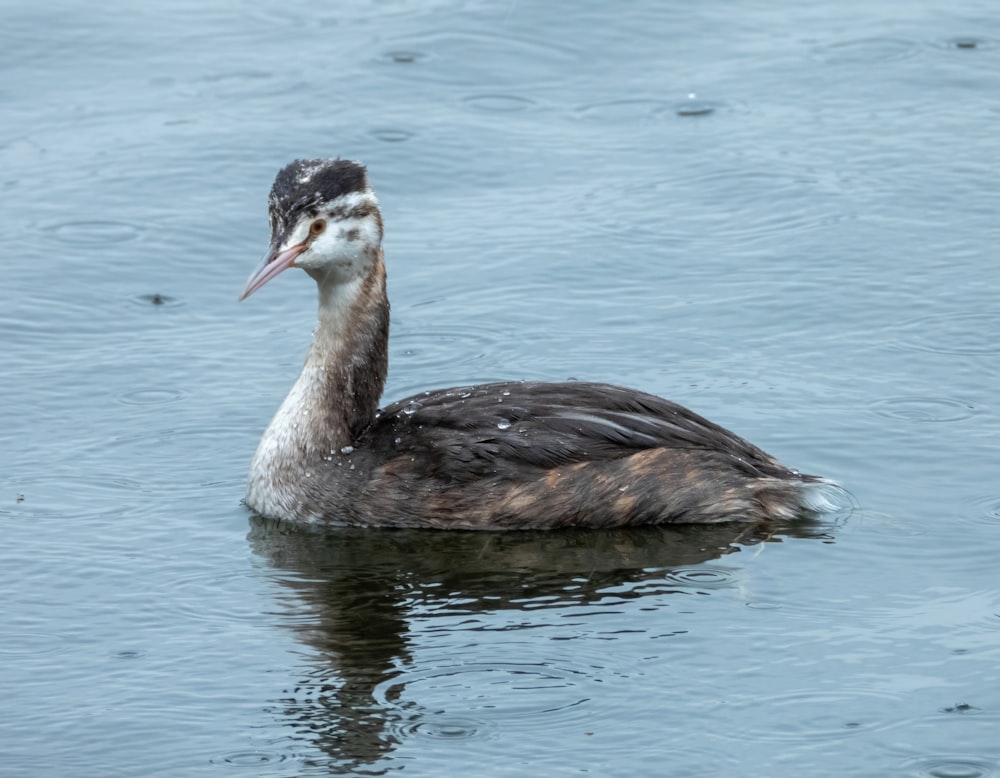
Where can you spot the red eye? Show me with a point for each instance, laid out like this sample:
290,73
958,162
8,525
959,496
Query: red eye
317,227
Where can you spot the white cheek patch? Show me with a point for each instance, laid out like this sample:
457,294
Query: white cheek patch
359,232
341,242
344,247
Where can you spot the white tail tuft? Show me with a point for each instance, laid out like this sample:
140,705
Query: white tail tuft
824,496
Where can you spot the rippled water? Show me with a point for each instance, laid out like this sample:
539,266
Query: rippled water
784,216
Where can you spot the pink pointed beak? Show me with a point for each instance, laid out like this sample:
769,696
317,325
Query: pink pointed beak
273,263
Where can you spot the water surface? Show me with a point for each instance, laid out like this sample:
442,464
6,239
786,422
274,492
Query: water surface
783,216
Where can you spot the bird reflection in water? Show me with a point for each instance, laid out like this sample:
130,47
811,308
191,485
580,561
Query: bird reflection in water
355,596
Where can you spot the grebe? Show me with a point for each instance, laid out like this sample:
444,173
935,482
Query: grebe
512,455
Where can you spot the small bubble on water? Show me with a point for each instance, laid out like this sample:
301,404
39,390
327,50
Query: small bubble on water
347,450
694,107
506,394
397,441
503,424
404,57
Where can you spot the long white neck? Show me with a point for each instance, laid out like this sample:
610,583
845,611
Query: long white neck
335,396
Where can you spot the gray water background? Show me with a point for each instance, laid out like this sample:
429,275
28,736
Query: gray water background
783,215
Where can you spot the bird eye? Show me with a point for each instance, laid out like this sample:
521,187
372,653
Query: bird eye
317,227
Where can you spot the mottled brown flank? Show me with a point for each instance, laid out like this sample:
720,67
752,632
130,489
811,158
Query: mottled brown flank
452,467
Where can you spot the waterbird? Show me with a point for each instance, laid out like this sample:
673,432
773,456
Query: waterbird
511,455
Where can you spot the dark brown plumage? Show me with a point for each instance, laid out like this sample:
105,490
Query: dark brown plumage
512,455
